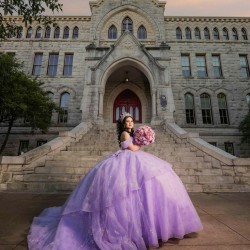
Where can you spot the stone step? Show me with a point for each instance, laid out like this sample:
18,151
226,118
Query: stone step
74,158
62,187
86,153
63,170
197,172
72,164
52,178
191,165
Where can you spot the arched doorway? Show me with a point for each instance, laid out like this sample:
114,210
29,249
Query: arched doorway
127,101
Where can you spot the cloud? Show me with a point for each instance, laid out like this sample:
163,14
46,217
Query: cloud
176,7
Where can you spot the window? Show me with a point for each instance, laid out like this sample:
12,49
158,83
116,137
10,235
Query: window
244,34
37,64
201,66
185,65
68,64
57,33
29,33
127,24
216,34
213,143
229,147
64,105
222,102
10,34
38,32
178,33
47,32
225,34
248,100
112,32
66,32
40,142
206,109
19,32
50,95
75,33
216,66
188,33
244,67
142,32
189,107
52,65
23,147
197,33
206,34
235,34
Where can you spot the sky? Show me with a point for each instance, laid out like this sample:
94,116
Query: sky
176,7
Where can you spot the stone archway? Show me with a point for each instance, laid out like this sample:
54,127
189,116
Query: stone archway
138,90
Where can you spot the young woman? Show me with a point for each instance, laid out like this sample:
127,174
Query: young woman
128,201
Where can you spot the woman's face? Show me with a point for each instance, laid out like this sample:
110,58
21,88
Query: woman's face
129,123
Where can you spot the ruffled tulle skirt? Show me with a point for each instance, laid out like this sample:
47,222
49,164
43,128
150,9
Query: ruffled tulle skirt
128,201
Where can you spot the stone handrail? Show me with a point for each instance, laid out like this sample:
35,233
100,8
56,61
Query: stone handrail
195,140
36,157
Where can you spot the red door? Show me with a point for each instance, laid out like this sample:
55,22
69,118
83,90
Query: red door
127,101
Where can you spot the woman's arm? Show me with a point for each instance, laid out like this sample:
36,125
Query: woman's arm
125,136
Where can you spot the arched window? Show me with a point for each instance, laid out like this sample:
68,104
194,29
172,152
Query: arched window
189,107
112,32
29,33
248,100
19,33
64,105
222,102
66,32
127,24
178,33
225,34
216,34
188,33
39,32
235,34
57,33
206,34
197,33
47,32
75,33
206,109
50,95
142,32
244,34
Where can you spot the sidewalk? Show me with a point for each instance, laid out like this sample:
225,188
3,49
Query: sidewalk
225,217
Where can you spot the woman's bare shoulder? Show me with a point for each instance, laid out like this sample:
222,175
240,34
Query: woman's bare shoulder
125,136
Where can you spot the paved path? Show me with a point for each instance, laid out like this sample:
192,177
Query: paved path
225,216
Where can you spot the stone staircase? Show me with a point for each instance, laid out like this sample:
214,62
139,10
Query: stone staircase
63,169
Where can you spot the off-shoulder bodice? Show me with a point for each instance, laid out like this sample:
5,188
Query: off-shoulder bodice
125,144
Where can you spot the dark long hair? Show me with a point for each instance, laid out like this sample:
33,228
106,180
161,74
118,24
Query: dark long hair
120,127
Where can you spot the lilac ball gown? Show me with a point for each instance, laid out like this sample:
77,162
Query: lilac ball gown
127,201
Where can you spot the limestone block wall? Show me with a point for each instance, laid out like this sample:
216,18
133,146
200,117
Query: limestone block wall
232,83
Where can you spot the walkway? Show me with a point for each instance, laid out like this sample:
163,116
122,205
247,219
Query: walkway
225,216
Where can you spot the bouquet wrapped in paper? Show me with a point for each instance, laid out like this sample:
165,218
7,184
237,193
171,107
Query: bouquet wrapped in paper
144,135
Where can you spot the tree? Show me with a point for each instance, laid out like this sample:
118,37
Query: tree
244,128
30,10
21,97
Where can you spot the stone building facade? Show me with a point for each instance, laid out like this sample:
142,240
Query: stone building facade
127,55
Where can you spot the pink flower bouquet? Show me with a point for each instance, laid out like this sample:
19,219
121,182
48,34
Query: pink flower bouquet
144,135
